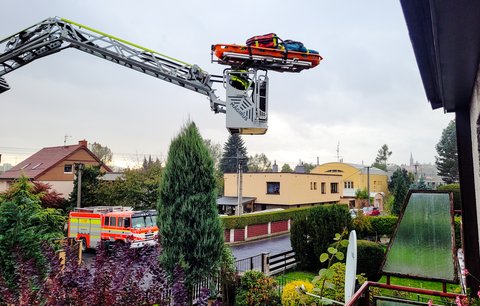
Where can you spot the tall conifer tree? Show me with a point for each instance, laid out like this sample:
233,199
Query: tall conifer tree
447,159
233,148
191,232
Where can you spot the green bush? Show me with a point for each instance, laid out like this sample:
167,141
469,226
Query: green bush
260,218
25,226
458,233
257,289
228,276
383,225
311,234
303,245
369,258
337,292
362,225
375,226
457,198
291,297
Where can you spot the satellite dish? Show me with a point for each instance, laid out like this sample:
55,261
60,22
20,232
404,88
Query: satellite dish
461,265
351,269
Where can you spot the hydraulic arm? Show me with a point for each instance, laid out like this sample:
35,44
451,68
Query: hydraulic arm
55,34
245,107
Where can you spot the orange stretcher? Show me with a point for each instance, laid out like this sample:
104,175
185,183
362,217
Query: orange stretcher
239,56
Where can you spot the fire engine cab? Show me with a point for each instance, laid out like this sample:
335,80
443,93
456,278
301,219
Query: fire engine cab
93,225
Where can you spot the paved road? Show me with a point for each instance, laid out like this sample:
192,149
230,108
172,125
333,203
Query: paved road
271,245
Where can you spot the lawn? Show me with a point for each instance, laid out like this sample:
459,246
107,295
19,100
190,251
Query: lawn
407,282
422,284
296,275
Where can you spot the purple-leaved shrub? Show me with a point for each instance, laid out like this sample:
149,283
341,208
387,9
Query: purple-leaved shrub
118,276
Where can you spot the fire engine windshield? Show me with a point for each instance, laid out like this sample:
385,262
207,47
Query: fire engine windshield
144,221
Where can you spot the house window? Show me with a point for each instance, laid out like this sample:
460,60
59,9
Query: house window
273,187
334,187
68,168
315,185
322,187
25,166
348,185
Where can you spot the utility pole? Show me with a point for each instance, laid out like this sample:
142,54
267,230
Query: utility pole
338,151
368,184
239,210
79,168
65,139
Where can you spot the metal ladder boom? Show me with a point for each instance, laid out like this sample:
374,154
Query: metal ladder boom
55,34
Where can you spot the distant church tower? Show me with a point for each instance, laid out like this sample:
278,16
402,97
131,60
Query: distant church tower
411,160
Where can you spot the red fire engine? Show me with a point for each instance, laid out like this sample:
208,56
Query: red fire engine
93,225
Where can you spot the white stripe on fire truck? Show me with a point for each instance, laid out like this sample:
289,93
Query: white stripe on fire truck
126,231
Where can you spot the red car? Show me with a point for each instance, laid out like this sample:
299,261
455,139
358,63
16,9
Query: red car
373,212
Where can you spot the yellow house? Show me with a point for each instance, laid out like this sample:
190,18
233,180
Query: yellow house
354,177
285,190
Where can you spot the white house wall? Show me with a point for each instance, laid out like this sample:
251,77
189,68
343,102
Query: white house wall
4,186
63,187
474,117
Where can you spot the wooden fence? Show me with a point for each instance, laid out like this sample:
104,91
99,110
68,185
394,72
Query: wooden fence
268,264
281,262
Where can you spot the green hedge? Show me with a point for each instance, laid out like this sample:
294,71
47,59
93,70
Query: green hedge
311,234
377,226
260,218
457,198
257,289
385,225
458,237
369,260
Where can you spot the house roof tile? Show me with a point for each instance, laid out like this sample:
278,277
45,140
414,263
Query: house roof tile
38,163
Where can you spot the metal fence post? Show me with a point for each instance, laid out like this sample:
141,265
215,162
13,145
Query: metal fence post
266,263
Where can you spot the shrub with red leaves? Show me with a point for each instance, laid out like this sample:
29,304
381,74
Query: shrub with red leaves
49,198
120,276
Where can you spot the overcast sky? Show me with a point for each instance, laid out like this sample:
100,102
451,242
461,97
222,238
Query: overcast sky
365,93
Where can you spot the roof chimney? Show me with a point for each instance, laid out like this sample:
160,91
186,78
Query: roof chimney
275,166
83,143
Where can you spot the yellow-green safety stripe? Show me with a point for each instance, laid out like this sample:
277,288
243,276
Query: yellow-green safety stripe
85,220
91,236
124,41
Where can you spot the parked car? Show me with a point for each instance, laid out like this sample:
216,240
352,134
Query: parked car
354,212
374,211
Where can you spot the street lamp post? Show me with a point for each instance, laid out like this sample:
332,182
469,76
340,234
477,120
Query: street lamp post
239,210
79,168
368,185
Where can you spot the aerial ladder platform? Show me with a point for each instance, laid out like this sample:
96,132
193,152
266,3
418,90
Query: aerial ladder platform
246,106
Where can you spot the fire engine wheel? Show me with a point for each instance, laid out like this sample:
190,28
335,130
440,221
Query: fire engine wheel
84,244
119,243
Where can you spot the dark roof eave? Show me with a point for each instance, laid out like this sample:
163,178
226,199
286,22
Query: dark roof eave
446,42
